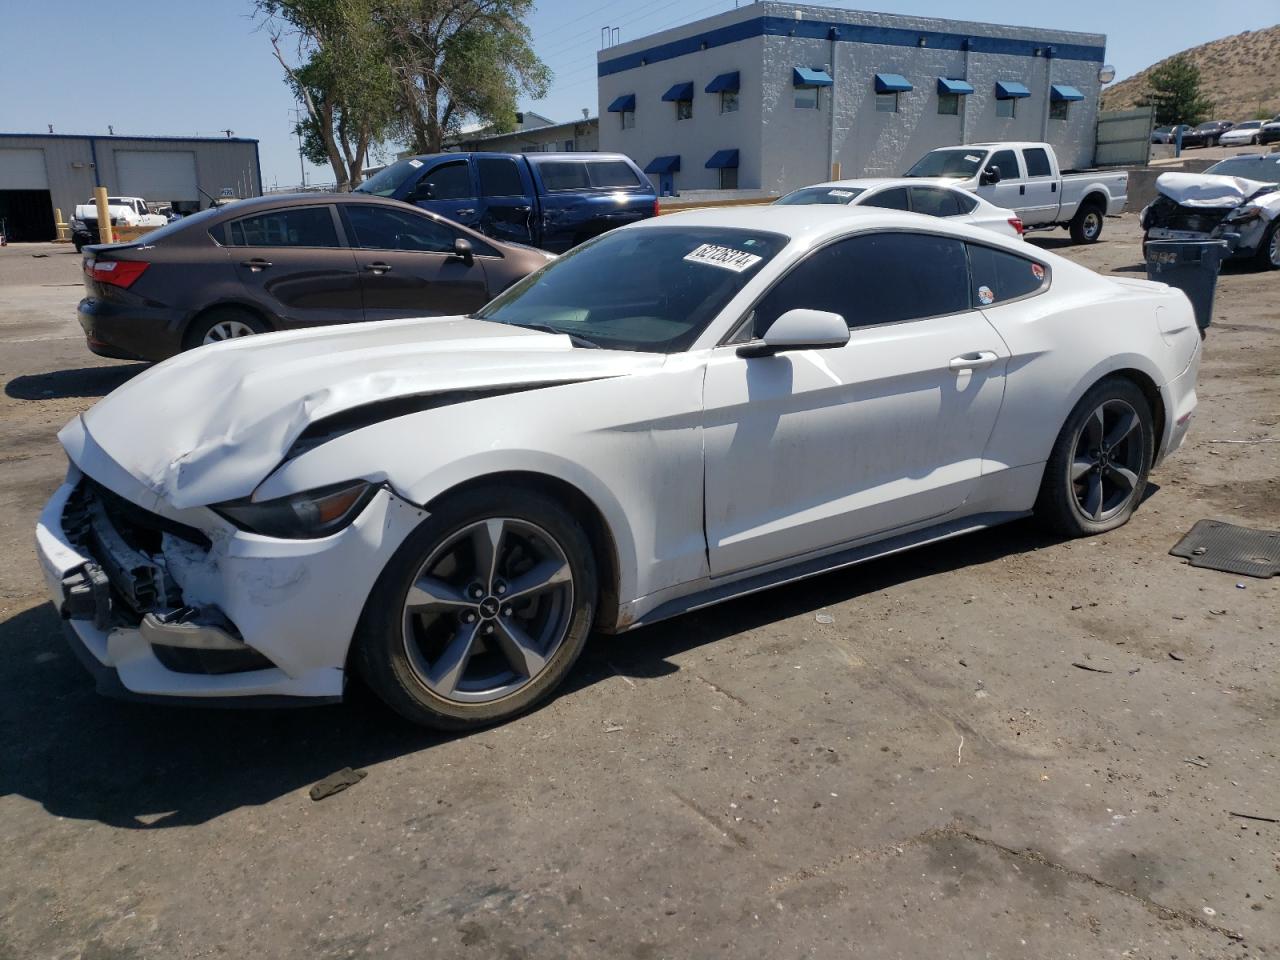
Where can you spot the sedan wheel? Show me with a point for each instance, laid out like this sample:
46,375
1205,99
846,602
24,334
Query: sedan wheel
483,610
219,324
1097,471
227,330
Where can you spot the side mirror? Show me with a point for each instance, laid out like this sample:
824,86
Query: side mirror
423,191
799,330
989,176
462,250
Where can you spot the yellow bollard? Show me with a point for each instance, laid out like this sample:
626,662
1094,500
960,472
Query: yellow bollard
104,215
835,170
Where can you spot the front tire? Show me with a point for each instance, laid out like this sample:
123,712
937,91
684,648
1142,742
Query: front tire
1097,471
1086,225
1269,249
482,611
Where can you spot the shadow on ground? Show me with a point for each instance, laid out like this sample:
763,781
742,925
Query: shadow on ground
82,382
147,767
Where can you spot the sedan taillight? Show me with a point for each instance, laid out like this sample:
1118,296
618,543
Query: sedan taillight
117,273
1017,225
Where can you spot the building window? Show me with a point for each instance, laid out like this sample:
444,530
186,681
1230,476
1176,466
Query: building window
1059,109
728,178
729,101
807,98
1007,108
949,104
684,109
886,103
628,119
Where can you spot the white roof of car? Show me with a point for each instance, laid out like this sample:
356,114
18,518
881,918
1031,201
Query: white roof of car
874,183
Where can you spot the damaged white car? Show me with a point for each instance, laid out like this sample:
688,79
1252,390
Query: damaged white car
1237,200
679,412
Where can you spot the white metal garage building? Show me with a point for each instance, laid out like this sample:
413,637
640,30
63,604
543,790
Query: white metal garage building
43,172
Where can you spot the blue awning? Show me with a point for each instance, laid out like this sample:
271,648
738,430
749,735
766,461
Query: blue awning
1060,91
664,164
681,91
624,104
804,77
722,159
725,83
892,83
959,87
1011,90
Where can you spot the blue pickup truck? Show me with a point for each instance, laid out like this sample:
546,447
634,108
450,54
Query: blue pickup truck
548,200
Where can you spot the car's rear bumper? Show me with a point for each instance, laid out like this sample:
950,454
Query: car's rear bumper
130,332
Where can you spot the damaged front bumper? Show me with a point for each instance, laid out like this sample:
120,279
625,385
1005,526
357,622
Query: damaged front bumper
195,610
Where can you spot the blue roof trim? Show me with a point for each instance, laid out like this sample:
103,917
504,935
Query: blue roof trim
625,103
725,83
1060,91
722,159
892,83
118,136
845,33
664,164
805,77
681,91
1011,90
960,87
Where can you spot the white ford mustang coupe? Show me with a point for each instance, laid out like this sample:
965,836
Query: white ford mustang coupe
678,412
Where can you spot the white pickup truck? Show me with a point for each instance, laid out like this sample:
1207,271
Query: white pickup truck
1025,177
124,212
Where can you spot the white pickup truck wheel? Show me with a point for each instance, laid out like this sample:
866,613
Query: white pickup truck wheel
1086,225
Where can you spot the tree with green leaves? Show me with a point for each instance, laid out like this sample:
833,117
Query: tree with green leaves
339,71
1175,92
459,62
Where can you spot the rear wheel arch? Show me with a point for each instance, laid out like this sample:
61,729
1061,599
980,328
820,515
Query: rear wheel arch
198,319
1144,383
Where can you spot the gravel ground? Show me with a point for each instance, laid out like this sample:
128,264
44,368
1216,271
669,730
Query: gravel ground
926,775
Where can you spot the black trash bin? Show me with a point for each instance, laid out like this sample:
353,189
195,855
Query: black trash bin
1192,266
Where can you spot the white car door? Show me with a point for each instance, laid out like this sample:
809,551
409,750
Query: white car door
1009,191
807,450
1039,199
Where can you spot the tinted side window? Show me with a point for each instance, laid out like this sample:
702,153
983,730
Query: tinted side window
293,227
965,201
934,202
450,182
875,278
999,276
895,199
612,173
564,175
499,177
1037,162
1007,161
376,228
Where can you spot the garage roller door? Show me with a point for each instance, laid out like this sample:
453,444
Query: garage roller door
22,169
156,175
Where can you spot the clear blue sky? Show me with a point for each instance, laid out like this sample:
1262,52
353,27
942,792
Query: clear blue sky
182,67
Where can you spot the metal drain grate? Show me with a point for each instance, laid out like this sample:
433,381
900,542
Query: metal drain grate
1218,545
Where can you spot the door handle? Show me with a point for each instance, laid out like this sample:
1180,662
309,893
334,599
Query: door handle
976,360
1022,190
257,264
379,268
466,213
523,208
1053,188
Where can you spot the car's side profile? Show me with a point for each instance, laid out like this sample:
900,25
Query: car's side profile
673,414
933,198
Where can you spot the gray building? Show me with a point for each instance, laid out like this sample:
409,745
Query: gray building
772,96
41,172
534,134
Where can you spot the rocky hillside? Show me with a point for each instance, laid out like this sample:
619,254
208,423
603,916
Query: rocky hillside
1240,74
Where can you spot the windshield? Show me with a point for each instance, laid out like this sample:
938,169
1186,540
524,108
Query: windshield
807,195
957,164
650,289
1248,125
1266,169
385,181
1211,125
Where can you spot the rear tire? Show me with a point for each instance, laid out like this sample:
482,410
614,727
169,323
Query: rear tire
482,611
1097,471
1086,225
1268,255
222,323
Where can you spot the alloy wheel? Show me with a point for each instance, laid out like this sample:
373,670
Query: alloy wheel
227,330
1273,248
1107,460
487,610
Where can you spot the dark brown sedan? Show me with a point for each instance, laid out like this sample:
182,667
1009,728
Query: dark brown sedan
278,263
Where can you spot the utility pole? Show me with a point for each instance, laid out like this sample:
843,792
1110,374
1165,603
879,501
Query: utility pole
297,127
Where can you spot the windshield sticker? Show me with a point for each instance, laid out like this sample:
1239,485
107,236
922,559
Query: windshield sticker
972,158
1037,271
725,257
985,296
415,163
839,193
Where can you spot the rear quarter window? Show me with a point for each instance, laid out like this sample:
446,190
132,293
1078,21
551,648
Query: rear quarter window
1000,277
564,175
612,173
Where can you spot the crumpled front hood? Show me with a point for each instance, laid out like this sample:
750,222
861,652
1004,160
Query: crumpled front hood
1207,190
210,425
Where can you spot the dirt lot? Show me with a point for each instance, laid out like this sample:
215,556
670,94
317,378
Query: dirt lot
928,775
